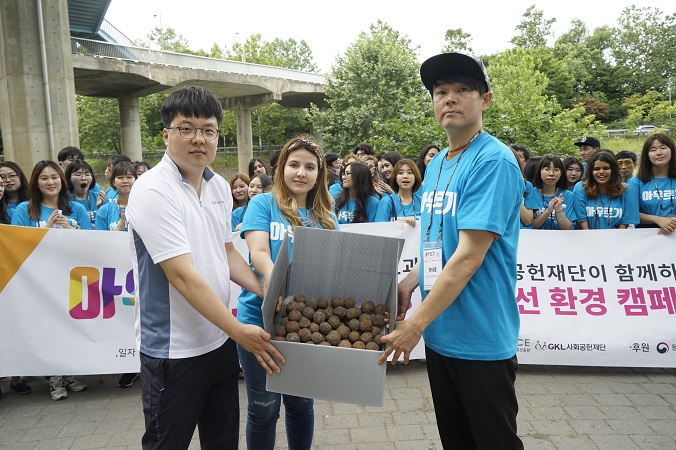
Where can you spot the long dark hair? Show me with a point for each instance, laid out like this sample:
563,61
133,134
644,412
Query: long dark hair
645,169
251,166
4,217
363,186
421,158
545,162
77,165
23,182
615,188
35,196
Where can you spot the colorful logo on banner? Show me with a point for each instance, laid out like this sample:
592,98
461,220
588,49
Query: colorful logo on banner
22,241
100,289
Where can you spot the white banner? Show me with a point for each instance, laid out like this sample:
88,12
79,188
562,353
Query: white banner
595,298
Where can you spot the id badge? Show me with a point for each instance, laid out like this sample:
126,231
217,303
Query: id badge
432,265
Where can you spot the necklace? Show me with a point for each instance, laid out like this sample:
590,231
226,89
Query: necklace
659,196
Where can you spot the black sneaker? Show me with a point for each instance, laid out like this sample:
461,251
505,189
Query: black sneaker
127,380
21,388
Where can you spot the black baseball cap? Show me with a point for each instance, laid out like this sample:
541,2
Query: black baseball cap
589,140
435,67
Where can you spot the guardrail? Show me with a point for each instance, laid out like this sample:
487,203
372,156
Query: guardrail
102,49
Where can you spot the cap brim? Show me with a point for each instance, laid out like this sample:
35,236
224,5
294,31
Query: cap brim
448,63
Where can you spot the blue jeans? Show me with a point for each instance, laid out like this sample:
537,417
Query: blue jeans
263,410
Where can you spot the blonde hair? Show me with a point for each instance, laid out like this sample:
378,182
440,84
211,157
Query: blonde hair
319,202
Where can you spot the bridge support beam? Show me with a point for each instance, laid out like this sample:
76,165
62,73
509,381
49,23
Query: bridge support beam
37,88
243,107
130,128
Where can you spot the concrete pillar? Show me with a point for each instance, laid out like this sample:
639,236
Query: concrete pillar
243,107
23,99
244,139
130,128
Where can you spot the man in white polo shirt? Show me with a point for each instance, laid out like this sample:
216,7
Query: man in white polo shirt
179,226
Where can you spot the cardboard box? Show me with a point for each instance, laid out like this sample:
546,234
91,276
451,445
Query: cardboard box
328,263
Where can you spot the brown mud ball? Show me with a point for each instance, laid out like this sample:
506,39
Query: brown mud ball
353,336
345,343
367,306
308,312
351,313
292,327
300,307
319,317
337,301
372,346
365,324
325,343
292,337
377,339
304,322
380,309
314,327
322,302
353,324
333,337
349,302
375,331
285,321
379,320
328,311
366,337
334,321
343,330
317,337
280,330
280,338
294,315
304,334
311,302
325,328
299,298
359,344
291,306
339,311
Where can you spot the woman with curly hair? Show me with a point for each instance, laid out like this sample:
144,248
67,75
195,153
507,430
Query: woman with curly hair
603,201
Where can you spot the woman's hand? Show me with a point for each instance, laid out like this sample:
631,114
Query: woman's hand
667,224
385,187
122,224
57,220
101,199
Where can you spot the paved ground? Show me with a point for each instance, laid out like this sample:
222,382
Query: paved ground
560,408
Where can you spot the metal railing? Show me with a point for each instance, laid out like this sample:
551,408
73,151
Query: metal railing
116,35
101,49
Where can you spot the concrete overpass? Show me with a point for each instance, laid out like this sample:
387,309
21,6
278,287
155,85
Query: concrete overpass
42,67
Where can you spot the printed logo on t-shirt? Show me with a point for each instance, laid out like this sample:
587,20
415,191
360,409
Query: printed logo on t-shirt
278,230
442,203
610,213
346,215
646,196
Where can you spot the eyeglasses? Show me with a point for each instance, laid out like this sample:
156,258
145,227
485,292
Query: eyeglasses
9,177
188,132
624,164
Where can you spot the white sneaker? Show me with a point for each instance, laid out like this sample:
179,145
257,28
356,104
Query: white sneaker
73,384
57,389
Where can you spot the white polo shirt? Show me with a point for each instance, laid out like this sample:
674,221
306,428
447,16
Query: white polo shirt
167,219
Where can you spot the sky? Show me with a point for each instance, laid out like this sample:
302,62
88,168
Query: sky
331,28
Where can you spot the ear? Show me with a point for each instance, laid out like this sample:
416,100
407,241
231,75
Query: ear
165,137
486,100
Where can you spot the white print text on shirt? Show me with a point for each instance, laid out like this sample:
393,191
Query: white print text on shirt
611,213
438,202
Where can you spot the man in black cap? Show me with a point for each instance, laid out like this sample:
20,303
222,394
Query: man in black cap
467,271
588,146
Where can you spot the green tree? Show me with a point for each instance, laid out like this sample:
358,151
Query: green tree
98,121
376,96
534,30
522,113
457,41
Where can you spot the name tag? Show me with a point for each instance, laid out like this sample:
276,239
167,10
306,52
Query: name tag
432,265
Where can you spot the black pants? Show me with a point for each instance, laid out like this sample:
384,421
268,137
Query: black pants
179,394
474,402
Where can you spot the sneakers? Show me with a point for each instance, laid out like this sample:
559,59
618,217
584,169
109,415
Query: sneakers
56,388
127,380
20,388
73,384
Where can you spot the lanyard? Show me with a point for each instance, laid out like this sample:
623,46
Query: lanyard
436,186
659,196
597,214
552,216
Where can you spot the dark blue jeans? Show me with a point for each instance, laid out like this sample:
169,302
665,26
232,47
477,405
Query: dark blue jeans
263,410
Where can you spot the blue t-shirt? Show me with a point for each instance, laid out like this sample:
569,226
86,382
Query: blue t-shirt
346,213
108,217
89,204
530,201
111,193
391,208
96,189
655,197
263,215
485,193
77,218
567,206
237,216
335,189
605,213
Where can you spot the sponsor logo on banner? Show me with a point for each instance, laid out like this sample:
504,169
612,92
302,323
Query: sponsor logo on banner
583,347
662,347
93,291
524,345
